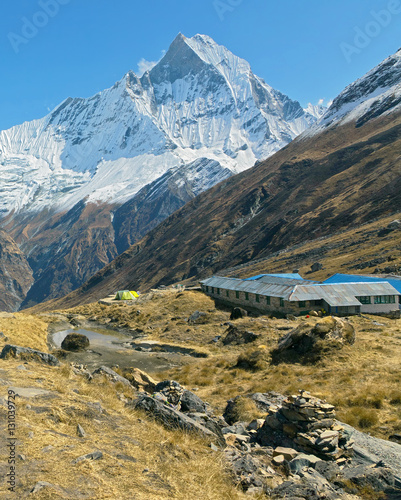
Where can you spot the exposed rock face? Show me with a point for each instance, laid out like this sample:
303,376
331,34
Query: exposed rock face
16,276
170,417
28,354
304,453
308,343
75,342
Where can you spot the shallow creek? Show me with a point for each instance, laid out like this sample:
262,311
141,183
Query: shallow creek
109,347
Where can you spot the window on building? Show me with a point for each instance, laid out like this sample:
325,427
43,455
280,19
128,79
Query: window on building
302,303
384,299
227,293
246,296
281,302
207,289
212,289
218,291
257,298
365,300
237,294
268,301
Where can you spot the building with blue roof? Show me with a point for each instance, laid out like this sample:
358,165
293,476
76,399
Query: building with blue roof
394,281
286,294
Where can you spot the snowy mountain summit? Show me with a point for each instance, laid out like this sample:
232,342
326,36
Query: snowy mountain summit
375,94
199,101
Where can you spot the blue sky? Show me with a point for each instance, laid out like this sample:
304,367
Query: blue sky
307,49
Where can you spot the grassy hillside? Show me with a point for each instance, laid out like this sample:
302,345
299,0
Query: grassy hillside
314,187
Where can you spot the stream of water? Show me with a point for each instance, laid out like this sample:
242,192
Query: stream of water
113,348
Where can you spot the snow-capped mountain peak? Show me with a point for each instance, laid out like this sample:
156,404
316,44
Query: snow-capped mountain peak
199,101
378,92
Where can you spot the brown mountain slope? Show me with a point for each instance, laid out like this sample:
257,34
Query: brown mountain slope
314,187
15,274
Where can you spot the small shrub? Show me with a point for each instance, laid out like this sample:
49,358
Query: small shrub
367,418
254,360
395,398
242,409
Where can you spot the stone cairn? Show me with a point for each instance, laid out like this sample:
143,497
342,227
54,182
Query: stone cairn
310,423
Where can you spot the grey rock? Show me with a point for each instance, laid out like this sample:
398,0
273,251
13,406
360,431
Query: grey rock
265,400
28,354
192,403
317,266
378,478
211,423
112,375
238,336
171,418
236,428
303,460
126,458
395,224
197,317
80,431
43,484
95,455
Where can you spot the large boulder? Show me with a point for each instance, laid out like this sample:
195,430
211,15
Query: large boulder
238,312
308,343
170,417
238,336
190,402
28,354
75,342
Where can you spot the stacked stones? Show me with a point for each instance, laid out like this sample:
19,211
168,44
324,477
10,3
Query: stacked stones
310,423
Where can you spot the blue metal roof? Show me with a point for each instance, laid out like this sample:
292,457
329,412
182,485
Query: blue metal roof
394,281
291,276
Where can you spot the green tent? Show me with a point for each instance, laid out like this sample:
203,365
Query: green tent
124,295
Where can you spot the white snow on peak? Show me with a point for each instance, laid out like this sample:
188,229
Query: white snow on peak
199,101
375,94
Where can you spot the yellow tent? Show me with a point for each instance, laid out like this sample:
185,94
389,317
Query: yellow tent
135,294
124,295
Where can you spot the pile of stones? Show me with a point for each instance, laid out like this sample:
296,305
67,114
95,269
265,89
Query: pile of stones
310,424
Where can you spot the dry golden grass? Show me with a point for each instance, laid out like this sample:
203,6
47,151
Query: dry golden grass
23,330
167,464
363,380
